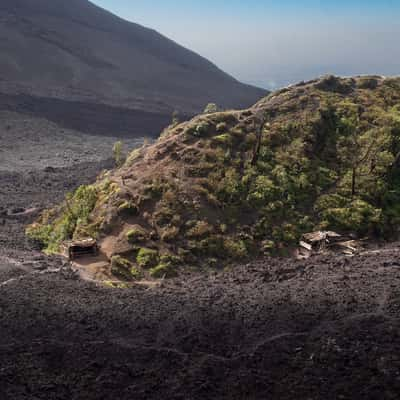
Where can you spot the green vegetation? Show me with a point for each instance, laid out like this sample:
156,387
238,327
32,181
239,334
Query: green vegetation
118,154
211,108
147,258
71,220
127,208
175,118
133,156
201,129
164,270
224,139
235,248
229,186
124,269
136,235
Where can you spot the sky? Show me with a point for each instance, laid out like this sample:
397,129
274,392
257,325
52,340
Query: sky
271,43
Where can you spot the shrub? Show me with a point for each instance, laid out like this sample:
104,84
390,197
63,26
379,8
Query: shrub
127,208
133,156
262,191
368,83
163,216
200,170
221,127
169,233
235,248
170,259
200,229
286,233
164,270
230,188
212,246
251,140
237,133
136,235
147,258
73,217
121,268
224,139
268,246
357,216
117,154
211,108
136,274
155,189
202,129
175,118
40,233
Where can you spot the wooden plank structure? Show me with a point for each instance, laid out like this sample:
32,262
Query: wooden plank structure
80,248
326,241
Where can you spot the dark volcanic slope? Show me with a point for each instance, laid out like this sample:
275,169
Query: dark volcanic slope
320,329
75,50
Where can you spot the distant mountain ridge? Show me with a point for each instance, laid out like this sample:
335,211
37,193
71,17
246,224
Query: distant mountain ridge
77,51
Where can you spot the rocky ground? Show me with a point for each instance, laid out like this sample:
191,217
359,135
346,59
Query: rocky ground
323,328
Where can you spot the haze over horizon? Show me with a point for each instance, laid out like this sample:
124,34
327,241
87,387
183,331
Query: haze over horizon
271,44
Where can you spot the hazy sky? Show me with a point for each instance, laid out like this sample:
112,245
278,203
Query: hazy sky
271,43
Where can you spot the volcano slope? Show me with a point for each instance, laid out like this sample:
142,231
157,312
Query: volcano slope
317,329
236,185
98,73
322,328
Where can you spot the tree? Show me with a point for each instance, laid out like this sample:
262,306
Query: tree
175,118
117,153
365,154
259,124
211,108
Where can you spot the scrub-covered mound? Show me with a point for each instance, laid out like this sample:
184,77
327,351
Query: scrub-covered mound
236,184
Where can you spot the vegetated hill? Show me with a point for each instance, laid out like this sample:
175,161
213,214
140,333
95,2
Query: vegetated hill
234,185
75,51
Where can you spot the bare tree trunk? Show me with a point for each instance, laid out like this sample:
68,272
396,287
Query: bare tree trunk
256,152
353,183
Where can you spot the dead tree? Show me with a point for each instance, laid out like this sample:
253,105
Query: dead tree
259,122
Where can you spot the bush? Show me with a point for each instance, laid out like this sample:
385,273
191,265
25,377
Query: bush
262,191
123,268
133,156
235,248
211,108
163,216
136,274
202,129
136,235
117,154
221,127
368,83
40,233
358,216
127,208
224,139
175,118
213,246
164,270
155,189
169,233
170,259
147,258
73,218
200,229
